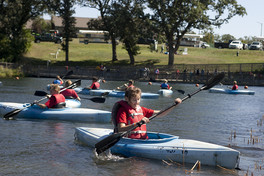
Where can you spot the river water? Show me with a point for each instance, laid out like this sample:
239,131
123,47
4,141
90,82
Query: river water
35,147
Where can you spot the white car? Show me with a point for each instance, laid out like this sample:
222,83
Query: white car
236,44
205,45
256,46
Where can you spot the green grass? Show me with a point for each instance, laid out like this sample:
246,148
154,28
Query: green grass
95,54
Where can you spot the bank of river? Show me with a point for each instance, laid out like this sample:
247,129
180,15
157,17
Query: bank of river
40,147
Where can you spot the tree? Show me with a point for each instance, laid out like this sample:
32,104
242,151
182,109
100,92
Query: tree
130,19
227,37
108,21
177,17
209,37
39,25
64,8
14,39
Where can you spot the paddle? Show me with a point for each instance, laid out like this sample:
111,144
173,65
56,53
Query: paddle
68,74
16,111
95,99
111,140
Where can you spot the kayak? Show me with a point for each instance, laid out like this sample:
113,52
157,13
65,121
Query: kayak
92,92
163,146
229,91
72,103
165,92
144,95
112,93
67,114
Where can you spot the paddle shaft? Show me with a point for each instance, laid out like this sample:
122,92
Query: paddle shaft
111,140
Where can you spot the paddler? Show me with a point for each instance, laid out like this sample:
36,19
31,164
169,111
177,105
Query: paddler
127,113
70,93
56,100
165,85
126,86
95,84
235,86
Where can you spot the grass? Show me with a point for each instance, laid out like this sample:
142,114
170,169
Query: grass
9,73
95,54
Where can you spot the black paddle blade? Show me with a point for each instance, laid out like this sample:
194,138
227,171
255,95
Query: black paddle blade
213,81
97,100
107,142
75,84
40,93
181,91
68,74
12,113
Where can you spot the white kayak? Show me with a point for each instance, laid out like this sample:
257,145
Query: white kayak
229,91
112,93
67,114
72,103
162,146
165,92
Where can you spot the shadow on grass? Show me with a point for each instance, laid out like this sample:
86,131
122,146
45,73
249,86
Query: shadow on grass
36,61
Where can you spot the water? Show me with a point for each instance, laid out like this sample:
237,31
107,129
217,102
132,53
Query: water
34,147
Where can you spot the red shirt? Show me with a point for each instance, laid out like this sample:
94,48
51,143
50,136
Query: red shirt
54,100
122,114
69,93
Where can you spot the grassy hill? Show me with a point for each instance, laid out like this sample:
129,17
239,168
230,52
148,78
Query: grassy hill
95,54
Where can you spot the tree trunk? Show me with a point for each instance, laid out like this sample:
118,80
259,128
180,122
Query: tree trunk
114,56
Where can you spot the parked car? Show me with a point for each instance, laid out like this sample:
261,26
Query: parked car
47,37
236,44
205,45
256,46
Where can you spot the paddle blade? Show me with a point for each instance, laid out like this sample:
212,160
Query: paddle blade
107,142
12,113
68,74
75,84
40,93
213,81
181,91
97,100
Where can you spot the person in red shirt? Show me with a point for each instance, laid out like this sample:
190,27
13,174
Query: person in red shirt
70,93
235,86
127,113
126,86
95,84
55,99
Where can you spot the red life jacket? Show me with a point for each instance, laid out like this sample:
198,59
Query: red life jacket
95,85
133,116
55,100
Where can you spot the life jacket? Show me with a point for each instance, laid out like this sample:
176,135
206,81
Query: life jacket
57,82
235,87
133,116
69,94
96,85
164,86
59,101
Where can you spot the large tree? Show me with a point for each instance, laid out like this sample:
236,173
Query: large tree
177,17
130,20
65,9
14,15
108,21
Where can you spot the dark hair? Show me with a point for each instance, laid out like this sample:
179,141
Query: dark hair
131,81
132,92
95,78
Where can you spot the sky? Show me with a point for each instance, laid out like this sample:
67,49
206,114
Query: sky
248,25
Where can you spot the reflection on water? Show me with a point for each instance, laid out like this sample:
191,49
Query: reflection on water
33,147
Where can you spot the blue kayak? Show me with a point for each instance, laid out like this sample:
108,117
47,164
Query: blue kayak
112,93
65,114
144,95
163,146
229,91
